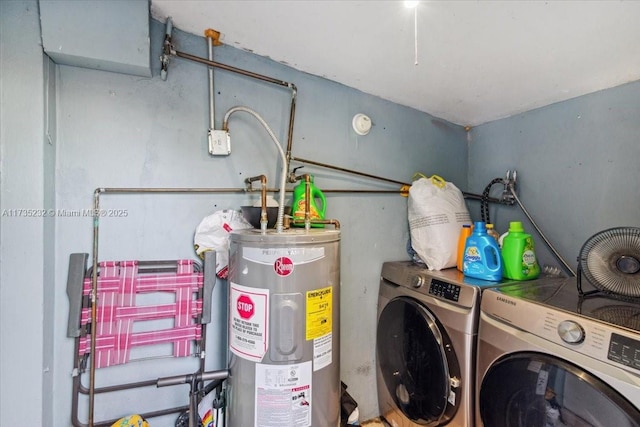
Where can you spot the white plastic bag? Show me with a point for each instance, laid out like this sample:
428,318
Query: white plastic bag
213,235
436,212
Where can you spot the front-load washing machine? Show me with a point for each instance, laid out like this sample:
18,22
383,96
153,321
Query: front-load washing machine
551,356
426,337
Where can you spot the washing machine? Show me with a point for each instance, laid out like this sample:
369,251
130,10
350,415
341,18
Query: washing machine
425,349
552,354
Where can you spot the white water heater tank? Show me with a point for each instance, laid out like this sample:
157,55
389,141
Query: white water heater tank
284,328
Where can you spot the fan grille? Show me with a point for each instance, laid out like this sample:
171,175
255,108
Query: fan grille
610,260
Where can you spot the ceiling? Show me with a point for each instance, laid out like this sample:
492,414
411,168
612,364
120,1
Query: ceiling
477,61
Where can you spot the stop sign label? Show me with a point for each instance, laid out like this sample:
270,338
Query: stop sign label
245,306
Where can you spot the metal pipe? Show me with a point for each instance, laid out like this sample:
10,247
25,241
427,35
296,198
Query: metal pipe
212,109
269,190
172,190
94,305
307,201
472,196
351,171
263,199
294,91
292,113
333,222
291,86
555,252
134,190
204,190
466,195
166,50
230,68
283,175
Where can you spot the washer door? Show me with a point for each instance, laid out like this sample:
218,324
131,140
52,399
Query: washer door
538,390
417,362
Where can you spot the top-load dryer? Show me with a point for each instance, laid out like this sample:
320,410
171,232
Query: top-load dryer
426,340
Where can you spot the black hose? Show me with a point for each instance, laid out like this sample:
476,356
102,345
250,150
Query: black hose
484,204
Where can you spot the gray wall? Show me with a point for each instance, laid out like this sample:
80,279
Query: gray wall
115,130
577,164
26,257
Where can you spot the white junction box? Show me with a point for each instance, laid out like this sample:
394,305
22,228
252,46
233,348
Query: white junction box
219,142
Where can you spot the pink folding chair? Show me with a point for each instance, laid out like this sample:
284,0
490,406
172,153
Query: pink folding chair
126,291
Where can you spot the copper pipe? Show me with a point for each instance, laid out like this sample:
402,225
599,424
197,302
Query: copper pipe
333,222
307,201
263,199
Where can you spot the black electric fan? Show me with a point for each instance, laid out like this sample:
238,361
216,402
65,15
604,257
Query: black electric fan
610,261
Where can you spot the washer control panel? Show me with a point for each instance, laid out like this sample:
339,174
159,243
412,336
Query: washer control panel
445,290
448,285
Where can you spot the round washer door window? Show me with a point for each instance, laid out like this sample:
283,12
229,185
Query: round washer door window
416,361
534,389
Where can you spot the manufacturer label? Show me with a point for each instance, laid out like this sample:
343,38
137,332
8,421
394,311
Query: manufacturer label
283,266
283,395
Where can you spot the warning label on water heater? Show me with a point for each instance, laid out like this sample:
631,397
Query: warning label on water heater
283,395
319,312
249,321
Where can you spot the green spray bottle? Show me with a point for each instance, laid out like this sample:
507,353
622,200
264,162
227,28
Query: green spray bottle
299,203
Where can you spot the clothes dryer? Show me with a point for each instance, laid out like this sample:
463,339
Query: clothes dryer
426,338
549,356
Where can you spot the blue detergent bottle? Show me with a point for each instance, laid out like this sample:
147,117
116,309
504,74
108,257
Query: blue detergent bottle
482,255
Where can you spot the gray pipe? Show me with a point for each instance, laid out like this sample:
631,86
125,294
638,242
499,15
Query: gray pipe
166,49
212,110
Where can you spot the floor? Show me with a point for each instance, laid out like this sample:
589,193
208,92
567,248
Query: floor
374,423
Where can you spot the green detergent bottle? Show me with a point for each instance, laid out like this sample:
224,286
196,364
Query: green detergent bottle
518,254
299,204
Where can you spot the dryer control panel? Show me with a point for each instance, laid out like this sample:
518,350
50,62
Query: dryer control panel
582,335
624,350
